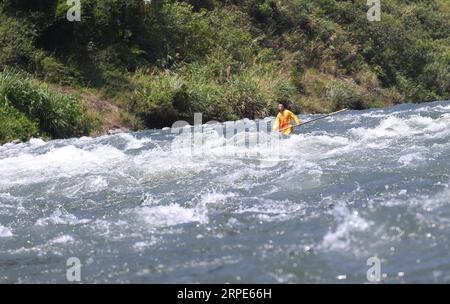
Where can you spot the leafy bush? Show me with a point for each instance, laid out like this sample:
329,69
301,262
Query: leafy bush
368,79
15,125
154,96
54,71
345,95
16,43
436,74
211,88
58,115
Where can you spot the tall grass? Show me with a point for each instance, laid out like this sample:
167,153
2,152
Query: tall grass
162,97
56,115
15,125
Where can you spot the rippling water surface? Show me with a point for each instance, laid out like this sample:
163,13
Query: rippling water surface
137,208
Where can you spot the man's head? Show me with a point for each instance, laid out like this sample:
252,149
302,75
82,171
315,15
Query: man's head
280,107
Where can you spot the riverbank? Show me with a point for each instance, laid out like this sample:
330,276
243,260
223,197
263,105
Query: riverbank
136,66
88,112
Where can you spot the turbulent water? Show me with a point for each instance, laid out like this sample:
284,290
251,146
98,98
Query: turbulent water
137,208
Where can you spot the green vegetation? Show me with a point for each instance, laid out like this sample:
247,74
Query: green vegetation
160,62
15,125
27,106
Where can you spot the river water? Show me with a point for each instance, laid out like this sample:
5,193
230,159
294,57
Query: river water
138,208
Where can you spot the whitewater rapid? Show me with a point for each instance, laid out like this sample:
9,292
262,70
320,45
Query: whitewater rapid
139,207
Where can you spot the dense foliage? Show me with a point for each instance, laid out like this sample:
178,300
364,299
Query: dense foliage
30,109
165,60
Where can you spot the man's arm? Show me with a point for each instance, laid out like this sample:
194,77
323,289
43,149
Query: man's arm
295,118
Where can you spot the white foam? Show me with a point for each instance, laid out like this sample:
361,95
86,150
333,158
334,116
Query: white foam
149,200
316,146
430,203
349,223
213,145
142,245
89,184
95,184
411,159
133,142
61,217
171,215
245,178
214,197
63,239
66,161
37,142
389,127
163,163
271,210
395,127
5,232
